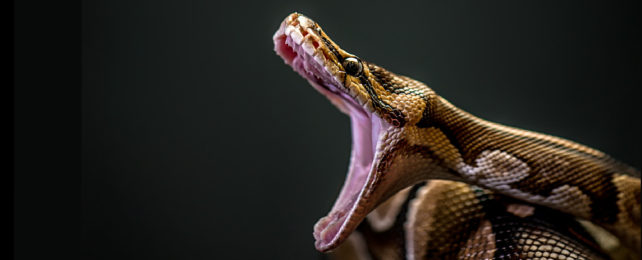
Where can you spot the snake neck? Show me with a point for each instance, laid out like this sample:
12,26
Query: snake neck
533,167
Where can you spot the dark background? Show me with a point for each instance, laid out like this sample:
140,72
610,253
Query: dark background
198,142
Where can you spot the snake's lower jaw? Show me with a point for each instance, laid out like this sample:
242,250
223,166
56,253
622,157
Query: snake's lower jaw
358,196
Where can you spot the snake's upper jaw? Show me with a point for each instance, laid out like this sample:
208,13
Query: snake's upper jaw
301,44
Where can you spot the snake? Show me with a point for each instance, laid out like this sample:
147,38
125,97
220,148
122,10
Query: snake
428,180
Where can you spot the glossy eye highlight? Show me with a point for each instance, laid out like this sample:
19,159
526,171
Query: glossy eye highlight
352,66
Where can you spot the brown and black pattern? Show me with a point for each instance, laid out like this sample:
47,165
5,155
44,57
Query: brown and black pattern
391,114
429,138
395,84
456,232
553,162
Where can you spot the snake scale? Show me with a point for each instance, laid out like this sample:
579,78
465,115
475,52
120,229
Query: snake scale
436,182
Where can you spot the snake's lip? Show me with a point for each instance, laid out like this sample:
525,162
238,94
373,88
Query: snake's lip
299,45
354,201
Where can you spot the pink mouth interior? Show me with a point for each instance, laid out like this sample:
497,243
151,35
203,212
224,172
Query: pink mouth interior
332,229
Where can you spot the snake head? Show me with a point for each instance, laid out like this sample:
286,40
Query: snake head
351,83
380,105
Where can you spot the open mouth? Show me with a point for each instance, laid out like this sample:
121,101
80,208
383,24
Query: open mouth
300,47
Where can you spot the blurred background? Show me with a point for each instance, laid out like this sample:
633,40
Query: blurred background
200,143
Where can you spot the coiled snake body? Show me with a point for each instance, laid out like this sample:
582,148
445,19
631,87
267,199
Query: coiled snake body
437,182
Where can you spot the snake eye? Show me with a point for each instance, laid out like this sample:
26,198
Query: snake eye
352,66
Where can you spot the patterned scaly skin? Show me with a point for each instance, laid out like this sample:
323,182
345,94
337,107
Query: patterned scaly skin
453,220
422,136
